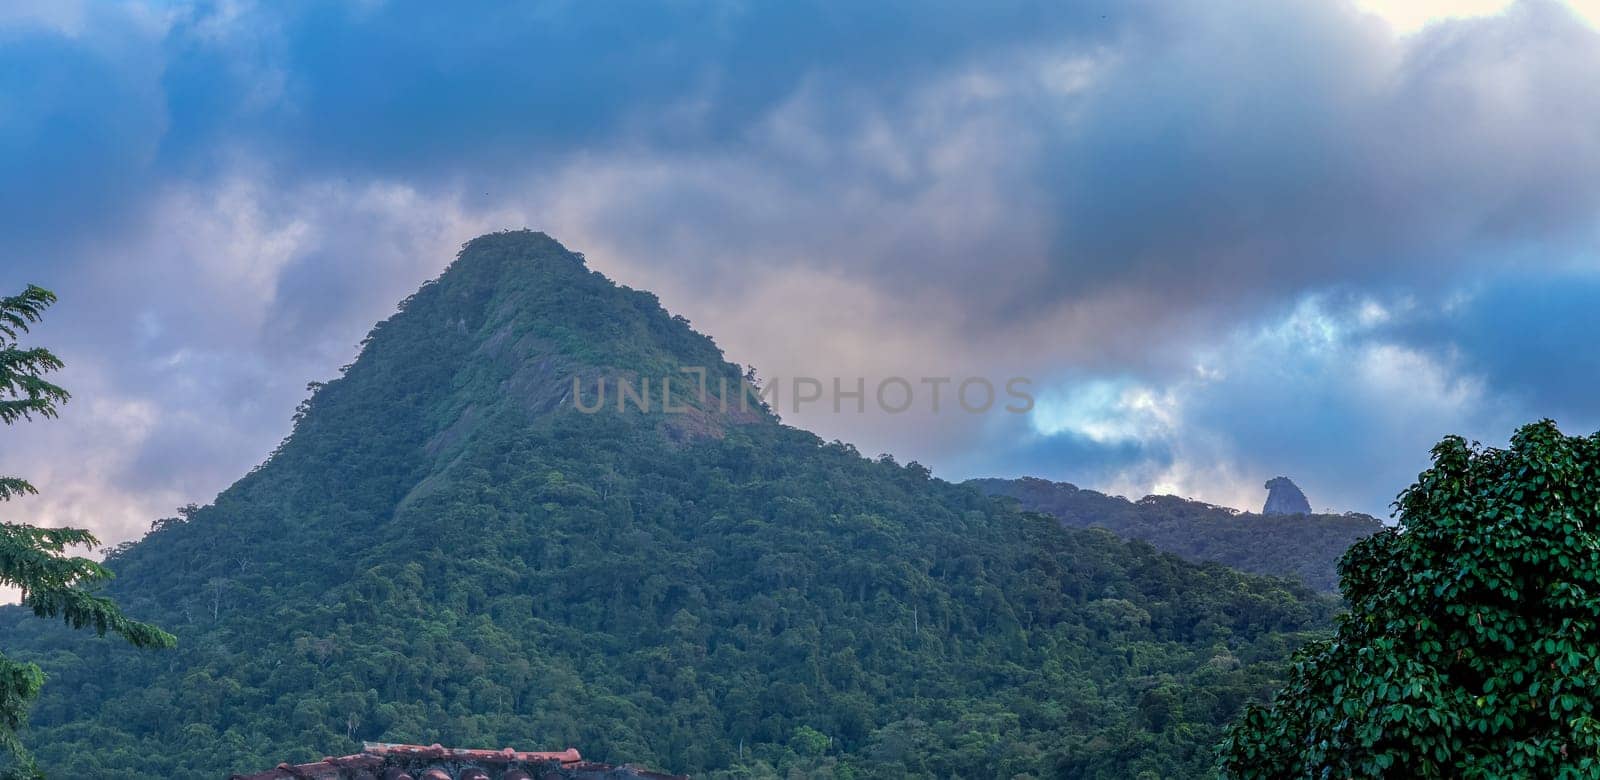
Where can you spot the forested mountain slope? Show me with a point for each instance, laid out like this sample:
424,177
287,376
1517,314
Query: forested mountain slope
445,550
1307,546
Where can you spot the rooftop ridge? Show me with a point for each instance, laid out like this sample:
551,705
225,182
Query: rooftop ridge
389,761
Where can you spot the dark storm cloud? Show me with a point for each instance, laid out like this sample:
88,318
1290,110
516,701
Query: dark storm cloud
1298,145
80,123
1530,335
418,88
1212,149
1200,155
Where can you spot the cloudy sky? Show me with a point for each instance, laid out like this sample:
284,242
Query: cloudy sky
1227,239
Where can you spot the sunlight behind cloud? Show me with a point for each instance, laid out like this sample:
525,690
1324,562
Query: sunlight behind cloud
1409,16
1106,412
1589,10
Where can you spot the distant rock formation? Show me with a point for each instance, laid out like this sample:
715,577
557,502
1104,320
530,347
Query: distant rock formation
1306,547
1284,498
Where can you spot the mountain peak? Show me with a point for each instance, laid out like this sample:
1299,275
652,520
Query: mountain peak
511,247
519,237
448,549
498,342
1285,498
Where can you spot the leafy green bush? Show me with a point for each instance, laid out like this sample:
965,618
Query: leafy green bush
1472,645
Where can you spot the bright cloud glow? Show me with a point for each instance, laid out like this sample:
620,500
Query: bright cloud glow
1288,395
1106,412
1409,16
1588,9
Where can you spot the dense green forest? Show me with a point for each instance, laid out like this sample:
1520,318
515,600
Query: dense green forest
444,550
1307,547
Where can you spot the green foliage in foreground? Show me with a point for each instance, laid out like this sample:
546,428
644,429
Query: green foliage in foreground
1306,547
34,560
444,551
1472,647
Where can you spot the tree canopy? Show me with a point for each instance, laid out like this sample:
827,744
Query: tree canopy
34,560
1472,644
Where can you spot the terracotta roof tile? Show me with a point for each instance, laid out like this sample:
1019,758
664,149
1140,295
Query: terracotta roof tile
381,761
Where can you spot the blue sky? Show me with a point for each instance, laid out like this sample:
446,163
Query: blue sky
1228,239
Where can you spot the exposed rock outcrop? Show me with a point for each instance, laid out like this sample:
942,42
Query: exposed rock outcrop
1285,498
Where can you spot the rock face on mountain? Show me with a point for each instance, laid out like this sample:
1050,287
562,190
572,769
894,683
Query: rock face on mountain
1306,547
1284,498
446,549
